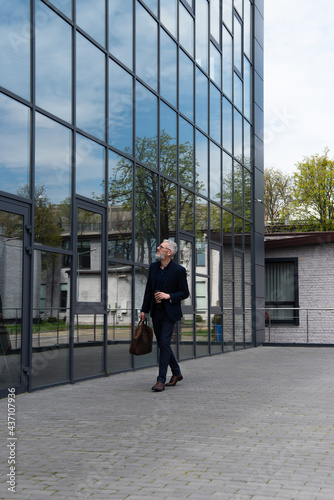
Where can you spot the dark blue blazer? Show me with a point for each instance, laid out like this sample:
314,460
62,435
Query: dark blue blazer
175,284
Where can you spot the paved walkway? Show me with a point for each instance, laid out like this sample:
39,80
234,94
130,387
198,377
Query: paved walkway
254,424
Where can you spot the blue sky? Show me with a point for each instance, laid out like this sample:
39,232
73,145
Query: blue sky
299,81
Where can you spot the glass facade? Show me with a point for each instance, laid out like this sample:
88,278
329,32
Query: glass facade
123,123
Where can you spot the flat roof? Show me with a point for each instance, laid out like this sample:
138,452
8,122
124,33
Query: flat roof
281,240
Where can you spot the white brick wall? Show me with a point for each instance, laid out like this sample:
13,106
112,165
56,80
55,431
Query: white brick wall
316,291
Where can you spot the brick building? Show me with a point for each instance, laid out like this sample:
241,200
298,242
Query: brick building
300,287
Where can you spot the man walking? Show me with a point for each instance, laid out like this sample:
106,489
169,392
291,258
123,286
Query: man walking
165,288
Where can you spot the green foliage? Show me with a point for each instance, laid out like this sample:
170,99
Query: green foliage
313,190
303,202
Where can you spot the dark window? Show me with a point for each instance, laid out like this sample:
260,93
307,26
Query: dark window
282,291
84,254
63,297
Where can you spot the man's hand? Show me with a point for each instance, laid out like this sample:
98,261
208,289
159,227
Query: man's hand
142,316
161,296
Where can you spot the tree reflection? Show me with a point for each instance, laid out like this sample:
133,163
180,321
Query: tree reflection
237,194
49,218
147,192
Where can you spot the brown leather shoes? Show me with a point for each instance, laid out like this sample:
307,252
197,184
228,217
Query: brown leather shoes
174,379
158,387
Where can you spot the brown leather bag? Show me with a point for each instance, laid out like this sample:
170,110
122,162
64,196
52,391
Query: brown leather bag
142,340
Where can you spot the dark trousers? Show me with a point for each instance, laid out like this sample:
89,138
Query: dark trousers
163,329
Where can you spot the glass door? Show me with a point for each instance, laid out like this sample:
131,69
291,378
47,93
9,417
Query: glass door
14,321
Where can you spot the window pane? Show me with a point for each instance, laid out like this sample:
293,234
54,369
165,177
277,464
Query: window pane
186,211
153,5
247,145
120,108
216,333
90,169
215,65
51,319
215,114
227,247
201,100
248,316
247,194
52,182
14,147
238,185
90,88
168,15
227,125
88,345
15,47
247,28
141,274
186,86
168,54
238,233
146,126
168,147
121,30
239,331
146,46
120,189
215,173
63,5
168,209
11,285
281,284
186,152
215,280
215,19
202,330
237,92
186,260
201,163
186,29
227,181
247,89
202,33
146,213
228,336
237,45
119,316
248,254
89,247
215,223
238,6
91,18
237,135
187,332
201,234
228,13
227,63
53,63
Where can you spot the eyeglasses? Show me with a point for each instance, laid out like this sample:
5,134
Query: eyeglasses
165,248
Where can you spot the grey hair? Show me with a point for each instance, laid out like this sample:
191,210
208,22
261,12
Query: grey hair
172,246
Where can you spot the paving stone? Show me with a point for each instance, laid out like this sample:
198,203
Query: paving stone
253,425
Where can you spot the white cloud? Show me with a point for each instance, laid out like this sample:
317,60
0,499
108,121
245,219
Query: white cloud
298,81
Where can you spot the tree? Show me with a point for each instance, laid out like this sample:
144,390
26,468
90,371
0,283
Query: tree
313,190
277,195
